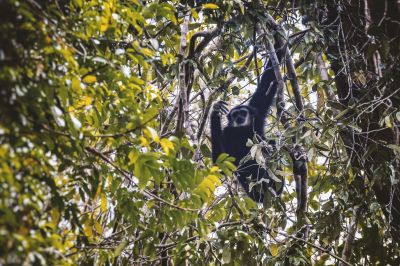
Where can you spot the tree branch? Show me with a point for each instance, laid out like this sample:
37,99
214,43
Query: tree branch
207,37
182,100
297,153
351,233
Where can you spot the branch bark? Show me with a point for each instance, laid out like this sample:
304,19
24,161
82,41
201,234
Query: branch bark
207,37
351,233
182,100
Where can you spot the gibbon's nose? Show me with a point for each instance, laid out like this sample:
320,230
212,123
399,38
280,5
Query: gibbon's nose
240,120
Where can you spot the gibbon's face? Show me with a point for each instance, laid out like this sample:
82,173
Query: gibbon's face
240,116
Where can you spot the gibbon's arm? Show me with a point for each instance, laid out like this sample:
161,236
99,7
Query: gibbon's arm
265,93
219,108
216,135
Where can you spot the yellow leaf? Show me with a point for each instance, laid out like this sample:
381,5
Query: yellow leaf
87,100
137,80
104,24
147,52
88,229
214,169
23,231
273,248
210,6
167,59
166,145
143,141
47,40
89,79
194,13
103,203
98,227
208,185
56,241
151,132
76,84
55,216
98,191
213,179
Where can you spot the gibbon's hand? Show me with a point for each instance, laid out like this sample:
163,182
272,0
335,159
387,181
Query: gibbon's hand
219,108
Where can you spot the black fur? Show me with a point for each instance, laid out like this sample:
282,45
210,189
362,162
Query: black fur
232,140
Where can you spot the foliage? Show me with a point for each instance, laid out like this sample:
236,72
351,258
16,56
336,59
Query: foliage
93,169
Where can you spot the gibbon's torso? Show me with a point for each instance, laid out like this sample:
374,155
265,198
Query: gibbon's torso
235,139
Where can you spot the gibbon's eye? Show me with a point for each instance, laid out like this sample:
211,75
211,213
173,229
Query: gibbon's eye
243,112
234,114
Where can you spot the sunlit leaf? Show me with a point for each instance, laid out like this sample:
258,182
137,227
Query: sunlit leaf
210,6
274,249
89,79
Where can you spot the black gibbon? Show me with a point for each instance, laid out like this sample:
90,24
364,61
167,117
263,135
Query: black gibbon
246,122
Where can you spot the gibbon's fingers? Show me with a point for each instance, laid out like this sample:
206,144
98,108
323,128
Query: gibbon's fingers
224,110
221,103
223,106
220,106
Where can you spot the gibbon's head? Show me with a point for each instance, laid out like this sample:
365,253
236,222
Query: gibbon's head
241,116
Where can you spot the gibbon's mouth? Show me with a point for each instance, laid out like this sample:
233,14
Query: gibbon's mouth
240,122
